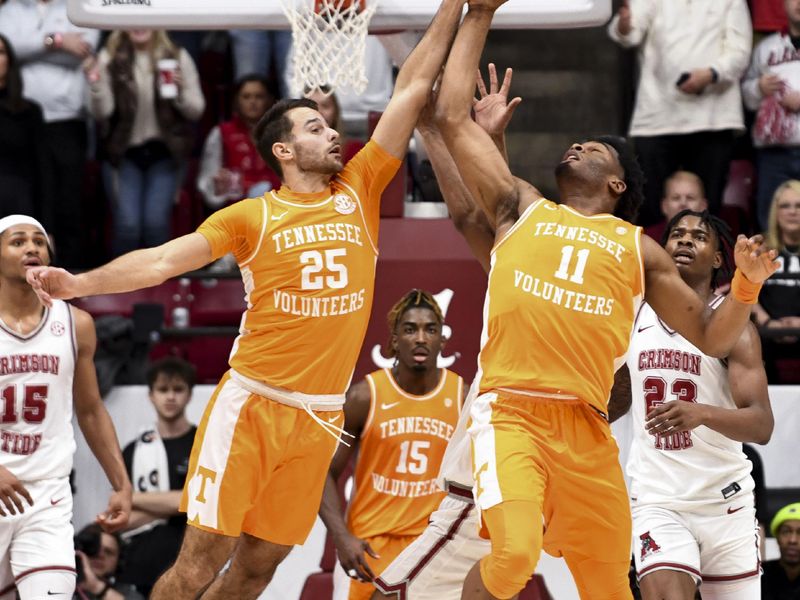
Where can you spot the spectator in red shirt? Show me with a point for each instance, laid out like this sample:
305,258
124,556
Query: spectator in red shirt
231,167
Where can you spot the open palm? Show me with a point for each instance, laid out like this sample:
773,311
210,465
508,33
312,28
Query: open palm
492,110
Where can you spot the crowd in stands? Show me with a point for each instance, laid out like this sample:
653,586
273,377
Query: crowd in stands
123,139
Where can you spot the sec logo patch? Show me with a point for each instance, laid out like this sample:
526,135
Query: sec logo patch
343,204
57,328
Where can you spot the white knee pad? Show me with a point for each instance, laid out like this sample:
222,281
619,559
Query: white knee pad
742,589
47,585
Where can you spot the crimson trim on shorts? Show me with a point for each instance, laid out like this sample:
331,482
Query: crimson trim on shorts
680,566
715,578
24,574
454,489
401,589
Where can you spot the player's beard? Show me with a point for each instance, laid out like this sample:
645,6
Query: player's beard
325,164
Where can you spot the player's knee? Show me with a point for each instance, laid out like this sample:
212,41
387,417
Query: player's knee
597,580
512,562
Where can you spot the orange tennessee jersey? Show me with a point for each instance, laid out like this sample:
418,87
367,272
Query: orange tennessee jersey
562,295
401,448
308,265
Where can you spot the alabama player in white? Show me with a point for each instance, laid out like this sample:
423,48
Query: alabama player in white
691,491
46,360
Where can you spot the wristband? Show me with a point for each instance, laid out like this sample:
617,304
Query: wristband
744,290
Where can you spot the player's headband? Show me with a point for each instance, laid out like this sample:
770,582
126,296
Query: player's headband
12,220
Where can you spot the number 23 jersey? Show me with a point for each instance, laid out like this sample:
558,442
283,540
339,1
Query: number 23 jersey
690,468
308,266
562,295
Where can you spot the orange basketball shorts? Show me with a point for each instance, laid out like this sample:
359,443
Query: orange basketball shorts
257,466
552,463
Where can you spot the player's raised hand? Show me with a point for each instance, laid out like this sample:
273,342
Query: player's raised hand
52,283
118,512
11,494
350,551
754,259
492,110
674,416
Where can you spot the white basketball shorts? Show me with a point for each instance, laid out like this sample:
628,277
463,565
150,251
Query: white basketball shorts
434,566
715,546
40,539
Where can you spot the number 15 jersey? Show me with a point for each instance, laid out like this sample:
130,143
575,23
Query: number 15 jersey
562,294
308,266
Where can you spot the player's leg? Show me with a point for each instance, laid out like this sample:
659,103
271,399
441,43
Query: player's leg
42,554
509,436
667,584
587,514
729,559
202,556
436,563
7,587
252,567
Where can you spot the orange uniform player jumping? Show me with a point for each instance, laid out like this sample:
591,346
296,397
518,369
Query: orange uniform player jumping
307,256
565,283
402,419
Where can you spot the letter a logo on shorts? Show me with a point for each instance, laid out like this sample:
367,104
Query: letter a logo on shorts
649,545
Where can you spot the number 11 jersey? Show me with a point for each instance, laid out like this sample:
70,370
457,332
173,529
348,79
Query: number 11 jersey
562,295
308,266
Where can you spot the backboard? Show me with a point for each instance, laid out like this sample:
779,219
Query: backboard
268,14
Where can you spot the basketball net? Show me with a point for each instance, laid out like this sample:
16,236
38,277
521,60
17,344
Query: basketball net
328,38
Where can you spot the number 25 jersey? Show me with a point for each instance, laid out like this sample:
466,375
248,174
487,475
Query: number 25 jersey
562,294
308,266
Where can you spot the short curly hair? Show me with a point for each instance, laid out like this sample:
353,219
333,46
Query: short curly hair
631,199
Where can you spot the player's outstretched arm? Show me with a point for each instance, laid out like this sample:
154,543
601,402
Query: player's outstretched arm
750,421
714,332
349,549
619,403
482,167
97,427
415,80
157,504
133,271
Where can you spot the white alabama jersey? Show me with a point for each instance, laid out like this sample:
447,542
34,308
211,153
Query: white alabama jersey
688,469
457,460
36,372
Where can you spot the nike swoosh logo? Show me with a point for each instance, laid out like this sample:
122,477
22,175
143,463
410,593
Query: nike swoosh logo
279,217
733,510
641,329
49,593
54,502
333,419
385,406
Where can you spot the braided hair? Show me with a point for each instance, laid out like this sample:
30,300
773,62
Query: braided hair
725,241
416,298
